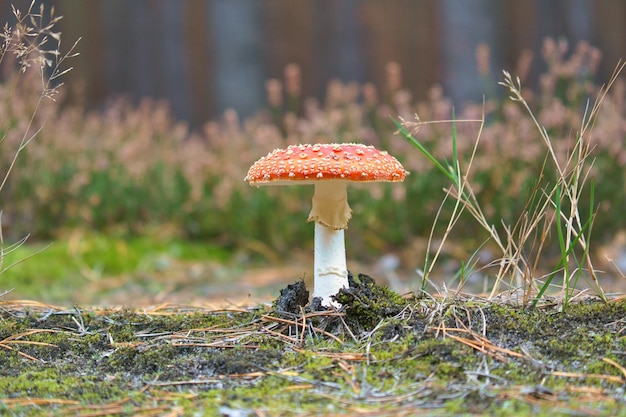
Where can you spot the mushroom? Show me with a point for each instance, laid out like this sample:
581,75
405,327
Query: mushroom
329,167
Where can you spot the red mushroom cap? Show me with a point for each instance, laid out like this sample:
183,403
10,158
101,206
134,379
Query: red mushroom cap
309,163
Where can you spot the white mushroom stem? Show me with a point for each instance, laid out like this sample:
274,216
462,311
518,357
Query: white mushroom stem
331,213
330,270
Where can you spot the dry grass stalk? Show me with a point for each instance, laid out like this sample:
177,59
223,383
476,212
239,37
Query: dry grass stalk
303,325
552,206
482,344
25,45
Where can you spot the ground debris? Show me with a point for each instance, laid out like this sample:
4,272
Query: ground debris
292,298
380,353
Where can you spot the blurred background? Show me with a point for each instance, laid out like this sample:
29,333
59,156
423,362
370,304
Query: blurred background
205,56
136,174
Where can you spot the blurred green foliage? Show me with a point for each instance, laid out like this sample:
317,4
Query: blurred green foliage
61,271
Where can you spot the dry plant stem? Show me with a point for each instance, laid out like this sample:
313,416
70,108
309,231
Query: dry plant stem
456,214
465,195
465,198
535,222
510,250
23,42
27,41
432,261
587,125
458,193
571,177
515,88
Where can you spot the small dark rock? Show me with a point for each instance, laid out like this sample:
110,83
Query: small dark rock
316,304
292,298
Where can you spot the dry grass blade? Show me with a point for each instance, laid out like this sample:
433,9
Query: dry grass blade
212,337
123,410
533,396
591,393
22,305
281,336
303,325
169,309
480,343
617,365
11,403
541,396
346,356
118,407
610,378
220,345
218,378
14,340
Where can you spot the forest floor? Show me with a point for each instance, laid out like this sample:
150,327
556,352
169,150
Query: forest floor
381,354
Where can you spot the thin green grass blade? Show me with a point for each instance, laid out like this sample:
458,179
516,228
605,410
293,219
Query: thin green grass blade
561,238
455,158
545,286
592,189
407,135
473,261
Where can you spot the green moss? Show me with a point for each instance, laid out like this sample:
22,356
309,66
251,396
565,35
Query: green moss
49,383
395,362
367,304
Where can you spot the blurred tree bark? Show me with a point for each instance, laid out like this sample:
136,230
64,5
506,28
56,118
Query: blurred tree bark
468,24
208,55
609,17
237,46
197,47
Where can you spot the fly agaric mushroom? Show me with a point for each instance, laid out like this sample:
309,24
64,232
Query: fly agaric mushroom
329,167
